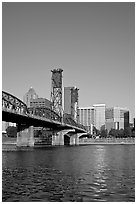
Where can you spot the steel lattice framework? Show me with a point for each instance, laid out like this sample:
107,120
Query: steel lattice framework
56,92
44,112
13,104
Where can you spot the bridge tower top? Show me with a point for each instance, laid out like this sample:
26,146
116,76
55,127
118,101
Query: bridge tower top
56,92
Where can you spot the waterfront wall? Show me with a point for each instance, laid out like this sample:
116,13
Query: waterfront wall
107,141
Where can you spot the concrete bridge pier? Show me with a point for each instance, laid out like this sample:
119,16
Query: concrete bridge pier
25,137
74,139
77,139
58,137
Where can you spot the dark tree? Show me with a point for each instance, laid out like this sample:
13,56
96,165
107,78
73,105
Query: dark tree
96,131
127,132
103,133
121,133
113,133
11,131
133,132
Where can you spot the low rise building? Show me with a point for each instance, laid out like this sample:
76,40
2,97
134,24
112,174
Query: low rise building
40,102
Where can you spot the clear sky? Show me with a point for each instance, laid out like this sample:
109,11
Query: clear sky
94,44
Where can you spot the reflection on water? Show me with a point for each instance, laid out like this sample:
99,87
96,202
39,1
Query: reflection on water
84,173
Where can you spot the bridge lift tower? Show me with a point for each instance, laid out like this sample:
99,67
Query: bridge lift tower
56,93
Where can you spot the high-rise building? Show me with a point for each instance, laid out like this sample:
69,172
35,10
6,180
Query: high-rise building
86,117
92,117
116,118
71,102
126,119
31,94
99,115
134,122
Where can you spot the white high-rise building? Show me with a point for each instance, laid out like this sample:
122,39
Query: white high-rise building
86,117
99,115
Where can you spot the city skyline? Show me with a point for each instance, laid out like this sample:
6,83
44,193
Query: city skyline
92,42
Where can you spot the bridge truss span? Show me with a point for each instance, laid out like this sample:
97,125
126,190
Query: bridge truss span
11,103
44,112
16,111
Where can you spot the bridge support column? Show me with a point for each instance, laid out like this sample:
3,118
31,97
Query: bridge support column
61,138
55,140
25,137
58,137
77,139
74,139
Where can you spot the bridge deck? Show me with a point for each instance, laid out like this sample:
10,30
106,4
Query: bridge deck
37,121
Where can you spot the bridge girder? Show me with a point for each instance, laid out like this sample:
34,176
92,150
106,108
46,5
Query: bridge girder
14,110
44,112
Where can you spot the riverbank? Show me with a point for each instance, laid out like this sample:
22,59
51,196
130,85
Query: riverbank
10,143
106,141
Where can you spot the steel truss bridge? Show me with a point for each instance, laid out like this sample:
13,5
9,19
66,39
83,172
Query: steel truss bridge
15,111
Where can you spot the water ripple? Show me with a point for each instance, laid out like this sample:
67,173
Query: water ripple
28,176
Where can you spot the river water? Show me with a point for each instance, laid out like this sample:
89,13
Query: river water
81,173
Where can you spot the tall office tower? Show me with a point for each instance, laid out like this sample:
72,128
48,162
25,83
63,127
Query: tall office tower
126,119
71,102
134,122
31,94
86,118
99,116
117,118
